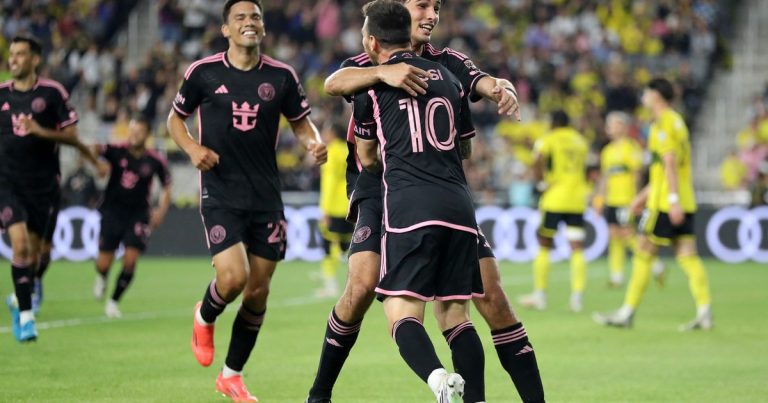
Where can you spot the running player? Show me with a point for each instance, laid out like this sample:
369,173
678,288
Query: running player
239,96
35,117
620,164
560,168
364,189
670,207
430,244
125,210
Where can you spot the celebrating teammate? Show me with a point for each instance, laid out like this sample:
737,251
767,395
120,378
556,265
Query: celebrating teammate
125,210
430,244
239,96
670,206
560,167
364,188
35,117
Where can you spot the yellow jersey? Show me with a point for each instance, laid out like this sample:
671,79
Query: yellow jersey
669,134
564,152
333,181
620,161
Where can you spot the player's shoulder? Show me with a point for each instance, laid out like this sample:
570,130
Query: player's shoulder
5,86
361,60
205,63
51,86
430,51
157,156
268,63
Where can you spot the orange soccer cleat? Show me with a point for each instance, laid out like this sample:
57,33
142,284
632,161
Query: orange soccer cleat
234,388
202,340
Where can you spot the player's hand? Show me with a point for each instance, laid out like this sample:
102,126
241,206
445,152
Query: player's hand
30,125
676,215
155,220
103,168
409,78
636,207
319,151
203,158
506,99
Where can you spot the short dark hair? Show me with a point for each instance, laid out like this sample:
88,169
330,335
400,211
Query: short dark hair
389,22
560,119
143,119
34,44
228,5
442,2
663,87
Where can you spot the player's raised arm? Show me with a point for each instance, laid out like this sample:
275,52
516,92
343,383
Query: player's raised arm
309,136
501,91
349,80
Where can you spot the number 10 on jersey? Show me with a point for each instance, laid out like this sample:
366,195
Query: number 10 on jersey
411,106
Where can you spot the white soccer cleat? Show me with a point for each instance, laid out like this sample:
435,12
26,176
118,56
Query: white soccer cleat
99,287
614,319
450,389
537,301
112,310
576,303
702,322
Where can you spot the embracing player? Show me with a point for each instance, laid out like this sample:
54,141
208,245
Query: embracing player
239,96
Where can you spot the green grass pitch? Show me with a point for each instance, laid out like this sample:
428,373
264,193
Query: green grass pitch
81,356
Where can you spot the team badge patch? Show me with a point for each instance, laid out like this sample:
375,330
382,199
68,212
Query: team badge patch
38,105
361,234
218,233
266,92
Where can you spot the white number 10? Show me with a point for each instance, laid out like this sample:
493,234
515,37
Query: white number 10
411,106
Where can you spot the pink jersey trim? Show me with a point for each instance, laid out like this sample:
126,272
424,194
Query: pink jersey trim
430,223
303,114
8,83
200,179
459,297
181,112
404,293
218,57
468,134
276,63
361,58
383,267
53,84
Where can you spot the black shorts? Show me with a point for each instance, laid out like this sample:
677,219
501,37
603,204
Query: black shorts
262,232
430,263
550,221
130,228
659,230
53,218
17,206
483,246
618,216
367,235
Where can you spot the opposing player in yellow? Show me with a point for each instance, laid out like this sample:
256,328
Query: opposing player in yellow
336,231
620,164
560,168
669,211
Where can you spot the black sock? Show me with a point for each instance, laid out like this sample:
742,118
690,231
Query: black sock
468,359
244,333
213,305
22,285
123,281
415,347
339,339
518,359
42,266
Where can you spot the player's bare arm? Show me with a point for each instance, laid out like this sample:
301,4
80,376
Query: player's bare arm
67,135
309,136
203,158
465,147
676,214
349,80
162,208
638,203
367,151
502,92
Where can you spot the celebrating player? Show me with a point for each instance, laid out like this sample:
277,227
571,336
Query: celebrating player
364,188
35,117
560,168
239,96
430,244
125,210
670,206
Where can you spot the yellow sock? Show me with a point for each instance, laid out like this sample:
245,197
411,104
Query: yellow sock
697,279
331,261
617,256
641,274
578,271
541,270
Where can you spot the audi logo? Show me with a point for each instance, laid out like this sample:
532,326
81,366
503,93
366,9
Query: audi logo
749,234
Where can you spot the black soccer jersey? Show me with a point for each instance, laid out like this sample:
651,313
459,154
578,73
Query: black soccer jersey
130,181
423,179
26,158
238,118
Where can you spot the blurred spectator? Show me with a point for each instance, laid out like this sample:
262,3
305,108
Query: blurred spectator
733,172
80,188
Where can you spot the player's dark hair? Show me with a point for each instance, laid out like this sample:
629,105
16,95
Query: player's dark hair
228,5
389,22
442,2
663,87
560,119
34,44
143,119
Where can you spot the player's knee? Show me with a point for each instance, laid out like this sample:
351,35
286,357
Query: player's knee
361,294
231,283
256,294
494,306
21,251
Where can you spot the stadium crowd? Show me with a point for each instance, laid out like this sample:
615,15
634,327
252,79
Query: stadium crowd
587,57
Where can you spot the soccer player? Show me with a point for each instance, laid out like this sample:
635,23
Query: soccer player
125,210
239,96
35,117
560,167
336,230
364,188
620,164
670,206
430,243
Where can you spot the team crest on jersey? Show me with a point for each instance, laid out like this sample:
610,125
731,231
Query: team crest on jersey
145,170
361,234
267,92
217,234
244,116
38,105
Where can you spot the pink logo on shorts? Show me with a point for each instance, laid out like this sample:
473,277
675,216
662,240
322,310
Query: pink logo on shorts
361,234
217,234
6,215
266,92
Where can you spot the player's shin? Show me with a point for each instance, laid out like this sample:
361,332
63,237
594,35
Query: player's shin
641,274
468,359
415,347
339,339
212,305
697,281
21,272
245,330
519,360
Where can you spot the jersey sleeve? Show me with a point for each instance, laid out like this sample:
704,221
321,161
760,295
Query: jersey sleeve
107,151
668,136
65,113
163,173
365,125
465,70
295,105
190,95
465,126
636,157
